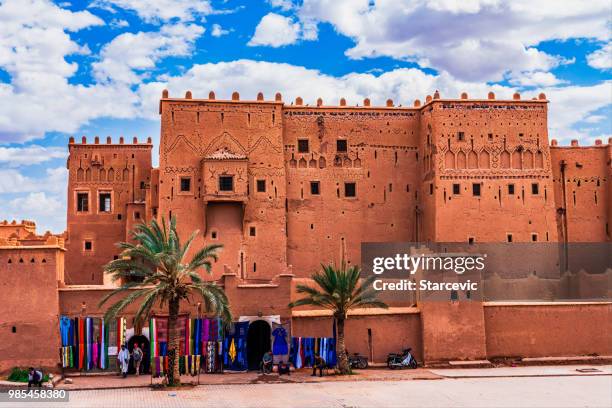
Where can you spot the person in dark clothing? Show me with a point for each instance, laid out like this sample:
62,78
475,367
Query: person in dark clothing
266,363
319,363
35,377
284,368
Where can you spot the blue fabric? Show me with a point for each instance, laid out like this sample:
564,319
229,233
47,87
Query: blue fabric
65,324
239,335
280,341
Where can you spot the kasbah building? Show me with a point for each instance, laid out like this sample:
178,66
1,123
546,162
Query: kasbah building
287,186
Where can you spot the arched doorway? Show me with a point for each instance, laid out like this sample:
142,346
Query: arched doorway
258,342
143,343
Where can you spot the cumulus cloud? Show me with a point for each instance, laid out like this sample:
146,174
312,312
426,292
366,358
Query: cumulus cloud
154,11
275,30
602,58
474,40
29,155
47,210
128,55
218,31
535,79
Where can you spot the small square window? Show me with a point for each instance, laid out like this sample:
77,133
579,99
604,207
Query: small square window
226,183
213,234
460,136
88,245
520,135
471,240
534,237
490,136
82,202
105,202
185,184
509,237
303,146
252,231
535,188
350,190
137,215
476,189
456,189
341,146
142,185
511,189
261,186
315,188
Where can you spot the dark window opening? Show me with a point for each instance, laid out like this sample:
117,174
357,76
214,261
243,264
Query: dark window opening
509,237
303,146
226,183
261,186
105,202
350,189
119,216
471,240
185,184
456,189
252,231
476,189
431,188
535,188
454,295
510,189
88,245
115,257
213,235
14,329
254,266
315,188
341,146
534,237
82,202
142,185
490,136
461,136
137,215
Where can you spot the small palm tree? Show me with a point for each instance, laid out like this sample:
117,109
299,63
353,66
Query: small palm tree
156,259
339,290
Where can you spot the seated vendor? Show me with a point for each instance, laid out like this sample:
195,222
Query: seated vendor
266,362
319,363
284,368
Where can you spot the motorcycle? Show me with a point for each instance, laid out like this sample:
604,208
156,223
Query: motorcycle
404,360
357,361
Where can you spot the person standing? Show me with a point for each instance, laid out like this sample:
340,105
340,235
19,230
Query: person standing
123,358
137,356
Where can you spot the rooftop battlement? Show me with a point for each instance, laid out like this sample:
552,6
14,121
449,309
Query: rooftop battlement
23,233
575,144
109,142
342,103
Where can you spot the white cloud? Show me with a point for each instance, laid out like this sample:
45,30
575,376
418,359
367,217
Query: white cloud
47,210
535,79
284,5
602,58
218,31
154,11
128,55
474,40
117,23
276,31
13,181
28,155
595,118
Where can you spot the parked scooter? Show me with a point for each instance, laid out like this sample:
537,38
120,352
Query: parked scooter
404,360
357,361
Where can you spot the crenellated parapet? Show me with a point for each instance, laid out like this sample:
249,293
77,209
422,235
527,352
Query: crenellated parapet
342,102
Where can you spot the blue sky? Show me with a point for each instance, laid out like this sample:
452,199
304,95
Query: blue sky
75,67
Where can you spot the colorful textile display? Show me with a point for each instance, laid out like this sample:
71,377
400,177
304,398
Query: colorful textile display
189,365
303,350
280,348
235,358
84,343
121,329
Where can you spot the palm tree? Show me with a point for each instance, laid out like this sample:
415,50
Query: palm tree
157,260
339,290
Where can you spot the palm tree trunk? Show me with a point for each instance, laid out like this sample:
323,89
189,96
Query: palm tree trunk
343,363
174,377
